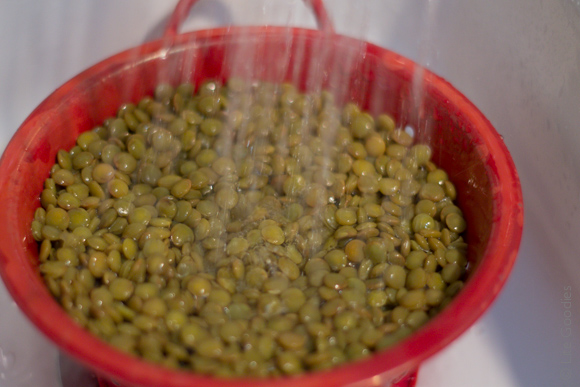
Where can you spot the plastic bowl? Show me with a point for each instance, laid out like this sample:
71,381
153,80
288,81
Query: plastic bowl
464,143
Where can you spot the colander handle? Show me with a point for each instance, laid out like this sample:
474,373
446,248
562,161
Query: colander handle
183,7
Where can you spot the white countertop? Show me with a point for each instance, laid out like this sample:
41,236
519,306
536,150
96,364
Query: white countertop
519,62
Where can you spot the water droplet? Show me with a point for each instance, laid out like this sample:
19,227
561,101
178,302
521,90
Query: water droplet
6,359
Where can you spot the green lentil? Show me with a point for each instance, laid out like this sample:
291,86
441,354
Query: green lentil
455,222
273,234
191,226
345,217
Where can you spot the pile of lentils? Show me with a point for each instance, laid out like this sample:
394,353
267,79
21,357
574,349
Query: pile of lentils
249,229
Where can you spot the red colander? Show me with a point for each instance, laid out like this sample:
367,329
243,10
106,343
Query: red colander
464,143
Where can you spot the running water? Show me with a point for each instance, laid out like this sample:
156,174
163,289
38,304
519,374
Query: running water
426,52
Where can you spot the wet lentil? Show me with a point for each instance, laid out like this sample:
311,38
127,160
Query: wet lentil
190,228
